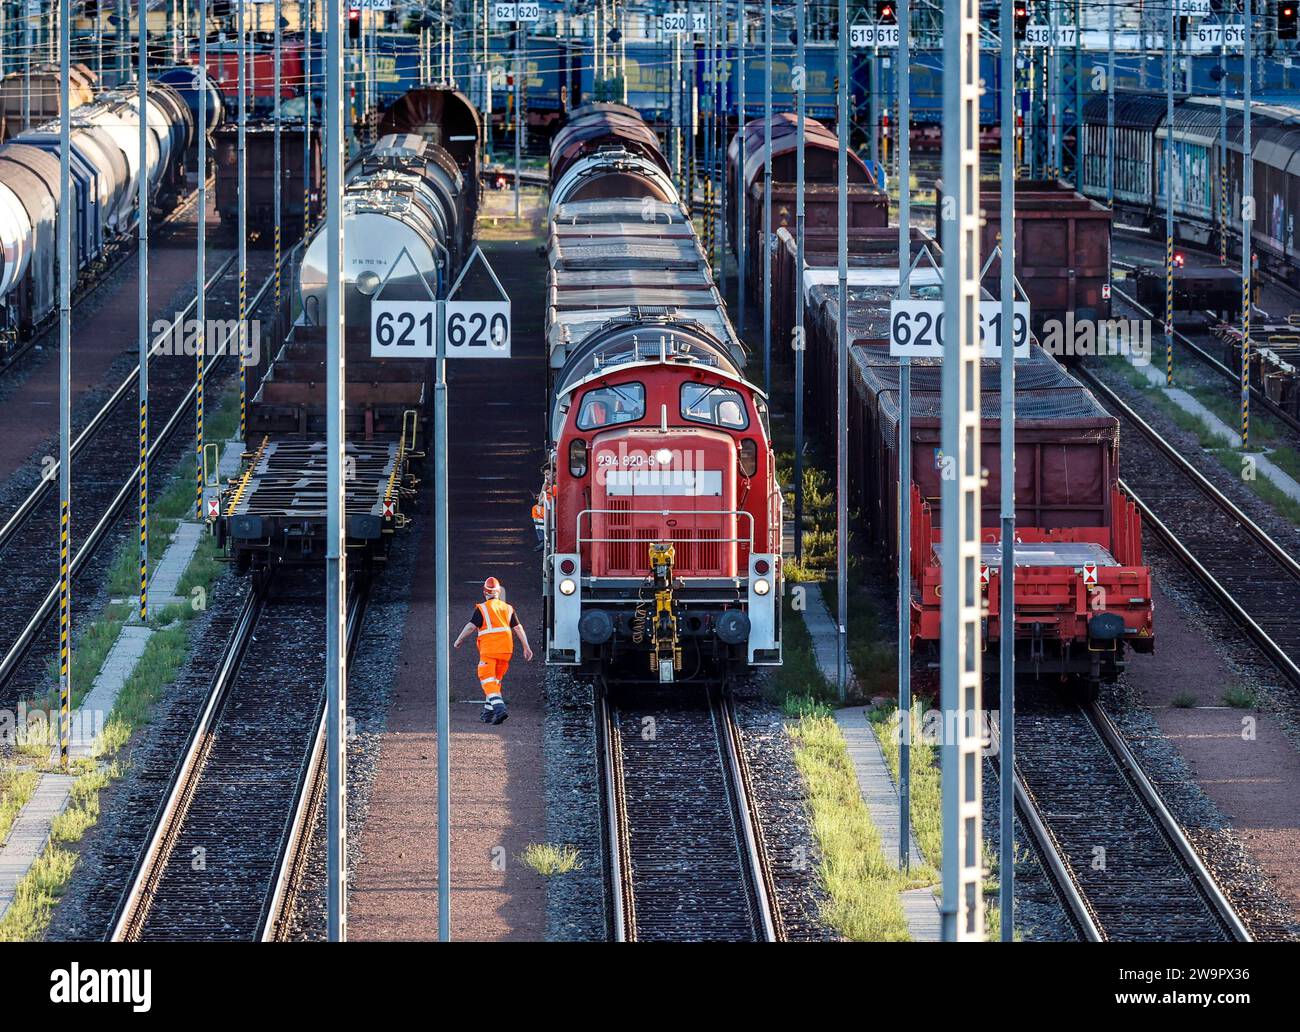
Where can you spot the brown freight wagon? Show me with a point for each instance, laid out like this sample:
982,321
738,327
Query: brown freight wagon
873,247
1062,250
22,108
296,198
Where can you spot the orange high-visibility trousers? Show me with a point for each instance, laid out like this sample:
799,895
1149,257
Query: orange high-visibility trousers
491,672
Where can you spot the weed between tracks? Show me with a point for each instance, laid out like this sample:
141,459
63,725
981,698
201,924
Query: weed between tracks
548,860
40,889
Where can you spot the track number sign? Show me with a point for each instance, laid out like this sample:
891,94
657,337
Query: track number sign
916,329
504,12
873,36
674,22
408,329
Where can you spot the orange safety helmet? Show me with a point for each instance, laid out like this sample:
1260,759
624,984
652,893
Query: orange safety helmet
491,584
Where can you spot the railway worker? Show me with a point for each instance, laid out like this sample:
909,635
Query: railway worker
541,506
496,625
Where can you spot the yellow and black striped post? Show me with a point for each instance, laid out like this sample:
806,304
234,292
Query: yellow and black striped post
709,221
198,423
1169,310
144,507
1223,214
277,272
243,365
65,680
1245,354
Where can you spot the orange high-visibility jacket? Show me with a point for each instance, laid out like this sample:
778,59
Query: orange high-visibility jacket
495,640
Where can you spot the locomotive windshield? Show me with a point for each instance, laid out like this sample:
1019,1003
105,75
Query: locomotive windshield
609,406
717,406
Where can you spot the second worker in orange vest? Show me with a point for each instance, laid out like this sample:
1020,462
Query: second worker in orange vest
496,626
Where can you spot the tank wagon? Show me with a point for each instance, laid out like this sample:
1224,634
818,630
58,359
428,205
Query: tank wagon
105,159
30,98
408,192
1082,591
663,531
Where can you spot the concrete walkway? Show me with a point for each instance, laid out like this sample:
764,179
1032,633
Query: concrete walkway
875,781
30,833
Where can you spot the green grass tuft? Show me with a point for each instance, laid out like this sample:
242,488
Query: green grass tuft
548,860
1240,696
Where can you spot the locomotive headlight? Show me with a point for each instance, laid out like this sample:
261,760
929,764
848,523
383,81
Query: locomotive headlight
368,282
663,456
761,586
567,587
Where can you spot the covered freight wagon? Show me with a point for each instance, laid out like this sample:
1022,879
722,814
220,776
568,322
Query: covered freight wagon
1082,593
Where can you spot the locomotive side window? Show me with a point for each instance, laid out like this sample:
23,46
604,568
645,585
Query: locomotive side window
717,406
609,406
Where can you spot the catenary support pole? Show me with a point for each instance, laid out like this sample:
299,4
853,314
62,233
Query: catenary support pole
1223,143
1247,220
962,912
519,115
1007,445
741,200
905,444
1169,196
843,128
1110,108
65,385
201,259
242,223
335,555
278,172
798,342
142,319
767,200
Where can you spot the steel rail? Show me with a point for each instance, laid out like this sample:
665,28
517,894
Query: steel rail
134,905
1222,501
758,870
118,257
96,537
1080,913
1167,823
296,842
1058,872
133,910
50,477
618,865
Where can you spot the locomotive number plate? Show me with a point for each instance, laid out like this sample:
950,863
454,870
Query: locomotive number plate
408,329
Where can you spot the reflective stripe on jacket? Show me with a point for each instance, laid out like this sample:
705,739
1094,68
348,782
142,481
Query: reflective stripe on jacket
494,637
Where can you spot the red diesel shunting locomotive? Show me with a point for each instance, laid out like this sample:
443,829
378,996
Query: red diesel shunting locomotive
663,539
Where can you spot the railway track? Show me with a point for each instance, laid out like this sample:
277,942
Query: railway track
117,259
105,483
1258,399
1116,856
684,852
226,851
1256,579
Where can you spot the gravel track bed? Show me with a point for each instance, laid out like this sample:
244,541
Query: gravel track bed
129,806
369,687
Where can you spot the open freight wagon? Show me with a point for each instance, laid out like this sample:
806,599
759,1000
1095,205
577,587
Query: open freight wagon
1082,593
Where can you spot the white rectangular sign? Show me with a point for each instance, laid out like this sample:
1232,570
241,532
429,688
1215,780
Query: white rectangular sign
1045,36
873,36
504,12
1194,8
1231,36
674,22
700,23
369,5
408,329
916,329
528,12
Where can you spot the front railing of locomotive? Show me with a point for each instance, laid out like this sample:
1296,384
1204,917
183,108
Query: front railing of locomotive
674,625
